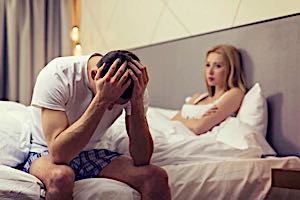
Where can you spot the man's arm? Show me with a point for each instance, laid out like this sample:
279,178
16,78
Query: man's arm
66,141
140,140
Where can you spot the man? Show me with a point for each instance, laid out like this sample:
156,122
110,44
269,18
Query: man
74,102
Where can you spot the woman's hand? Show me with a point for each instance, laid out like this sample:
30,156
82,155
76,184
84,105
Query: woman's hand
211,111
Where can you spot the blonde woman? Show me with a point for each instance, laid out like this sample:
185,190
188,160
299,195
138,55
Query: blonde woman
225,91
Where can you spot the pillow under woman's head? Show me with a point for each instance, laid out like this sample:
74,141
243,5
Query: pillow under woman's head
254,111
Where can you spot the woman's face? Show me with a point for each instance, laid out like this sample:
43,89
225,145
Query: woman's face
215,70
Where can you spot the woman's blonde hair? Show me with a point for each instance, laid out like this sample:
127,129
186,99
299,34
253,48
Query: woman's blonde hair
234,71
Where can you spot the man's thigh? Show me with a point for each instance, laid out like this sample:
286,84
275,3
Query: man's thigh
123,169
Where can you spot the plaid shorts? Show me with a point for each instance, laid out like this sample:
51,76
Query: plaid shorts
88,164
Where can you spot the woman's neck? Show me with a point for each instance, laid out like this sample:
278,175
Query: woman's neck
218,92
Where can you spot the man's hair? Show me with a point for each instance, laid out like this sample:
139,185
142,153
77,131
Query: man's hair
109,59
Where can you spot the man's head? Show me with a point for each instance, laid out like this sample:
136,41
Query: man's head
109,58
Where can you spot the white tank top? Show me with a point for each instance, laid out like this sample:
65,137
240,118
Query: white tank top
192,111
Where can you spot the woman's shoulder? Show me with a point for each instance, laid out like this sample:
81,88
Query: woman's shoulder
235,91
235,94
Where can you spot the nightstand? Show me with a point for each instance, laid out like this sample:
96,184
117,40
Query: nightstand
286,178
285,185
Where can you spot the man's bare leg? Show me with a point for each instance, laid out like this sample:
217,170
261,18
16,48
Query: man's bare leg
151,181
58,179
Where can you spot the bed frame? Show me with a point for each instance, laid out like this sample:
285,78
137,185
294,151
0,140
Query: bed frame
271,56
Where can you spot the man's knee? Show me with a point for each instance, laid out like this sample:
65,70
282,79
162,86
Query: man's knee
155,183
156,176
61,177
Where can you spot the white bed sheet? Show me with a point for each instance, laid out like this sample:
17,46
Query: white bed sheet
103,189
15,184
245,179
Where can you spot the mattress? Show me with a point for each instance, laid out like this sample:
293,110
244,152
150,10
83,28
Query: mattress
231,179
15,184
103,189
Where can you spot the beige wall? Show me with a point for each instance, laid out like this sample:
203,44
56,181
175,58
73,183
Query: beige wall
124,24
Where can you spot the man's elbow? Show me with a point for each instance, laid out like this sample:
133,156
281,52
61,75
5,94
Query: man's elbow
60,160
58,157
141,162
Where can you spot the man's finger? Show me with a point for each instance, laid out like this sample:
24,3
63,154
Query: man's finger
126,85
112,69
133,76
137,72
145,72
98,74
124,77
137,65
134,67
120,71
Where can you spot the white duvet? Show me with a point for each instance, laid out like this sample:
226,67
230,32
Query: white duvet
176,144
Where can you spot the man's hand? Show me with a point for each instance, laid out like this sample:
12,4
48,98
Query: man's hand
111,86
139,75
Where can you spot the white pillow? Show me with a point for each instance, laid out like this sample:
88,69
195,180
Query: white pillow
14,133
241,136
254,111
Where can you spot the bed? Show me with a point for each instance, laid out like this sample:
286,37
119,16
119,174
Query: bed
210,174
226,168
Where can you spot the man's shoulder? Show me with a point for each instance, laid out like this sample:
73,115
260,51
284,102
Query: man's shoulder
64,63
69,59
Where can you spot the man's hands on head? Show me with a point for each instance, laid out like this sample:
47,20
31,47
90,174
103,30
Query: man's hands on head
112,85
139,75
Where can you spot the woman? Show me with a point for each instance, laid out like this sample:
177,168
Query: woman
226,88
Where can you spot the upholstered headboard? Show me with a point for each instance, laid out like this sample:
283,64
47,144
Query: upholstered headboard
271,57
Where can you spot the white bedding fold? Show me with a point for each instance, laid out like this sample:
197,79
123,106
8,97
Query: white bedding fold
176,144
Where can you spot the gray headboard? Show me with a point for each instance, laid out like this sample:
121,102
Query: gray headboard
271,56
